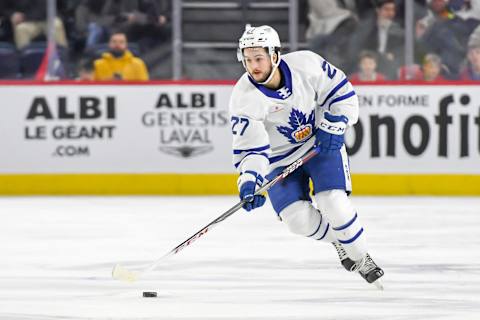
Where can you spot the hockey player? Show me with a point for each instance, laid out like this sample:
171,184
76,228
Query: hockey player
283,106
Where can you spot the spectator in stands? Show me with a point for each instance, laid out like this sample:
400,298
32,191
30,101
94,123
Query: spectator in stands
444,33
466,9
86,71
92,23
119,63
29,20
6,32
382,35
143,21
362,8
472,70
367,68
329,30
410,73
432,68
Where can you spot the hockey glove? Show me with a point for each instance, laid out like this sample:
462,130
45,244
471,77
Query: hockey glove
330,135
247,192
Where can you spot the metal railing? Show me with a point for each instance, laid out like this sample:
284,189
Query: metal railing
178,44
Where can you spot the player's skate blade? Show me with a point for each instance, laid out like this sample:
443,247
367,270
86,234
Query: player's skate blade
346,262
378,284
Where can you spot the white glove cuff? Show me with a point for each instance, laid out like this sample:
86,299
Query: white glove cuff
249,176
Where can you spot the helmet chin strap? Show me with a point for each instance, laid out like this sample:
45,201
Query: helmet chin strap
274,67
270,76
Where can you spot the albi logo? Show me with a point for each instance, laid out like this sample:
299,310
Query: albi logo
83,108
60,120
71,121
186,122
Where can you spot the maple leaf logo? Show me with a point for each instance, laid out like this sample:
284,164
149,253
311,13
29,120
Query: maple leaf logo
301,127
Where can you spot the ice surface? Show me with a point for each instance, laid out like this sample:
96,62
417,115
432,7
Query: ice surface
56,255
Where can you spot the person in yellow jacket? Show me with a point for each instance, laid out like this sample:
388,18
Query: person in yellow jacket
119,63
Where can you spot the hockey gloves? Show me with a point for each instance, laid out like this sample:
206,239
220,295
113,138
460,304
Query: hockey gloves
330,136
247,191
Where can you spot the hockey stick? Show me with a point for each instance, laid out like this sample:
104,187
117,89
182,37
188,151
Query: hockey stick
121,273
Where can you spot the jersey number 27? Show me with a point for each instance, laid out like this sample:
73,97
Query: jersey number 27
239,125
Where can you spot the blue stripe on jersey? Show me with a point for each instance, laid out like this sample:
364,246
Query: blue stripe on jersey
248,154
238,151
325,233
345,96
348,224
280,157
318,228
352,239
334,90
287,88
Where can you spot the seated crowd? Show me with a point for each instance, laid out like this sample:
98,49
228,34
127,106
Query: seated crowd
372,33
91,37
117,39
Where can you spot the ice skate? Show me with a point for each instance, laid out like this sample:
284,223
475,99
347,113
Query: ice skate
347,263
369,271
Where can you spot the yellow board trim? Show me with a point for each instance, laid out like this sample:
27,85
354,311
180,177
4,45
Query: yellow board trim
118,184
221,184
418,184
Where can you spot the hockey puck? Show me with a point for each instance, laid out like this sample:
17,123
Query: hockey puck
149,294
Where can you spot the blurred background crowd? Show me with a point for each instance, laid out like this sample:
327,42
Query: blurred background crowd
371,40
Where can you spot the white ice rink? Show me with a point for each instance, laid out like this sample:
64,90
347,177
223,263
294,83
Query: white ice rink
56,256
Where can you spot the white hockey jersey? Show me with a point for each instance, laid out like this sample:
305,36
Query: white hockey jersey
272,128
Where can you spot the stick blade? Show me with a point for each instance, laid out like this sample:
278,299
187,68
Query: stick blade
123,274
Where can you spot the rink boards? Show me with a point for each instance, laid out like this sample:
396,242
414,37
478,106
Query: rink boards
174,138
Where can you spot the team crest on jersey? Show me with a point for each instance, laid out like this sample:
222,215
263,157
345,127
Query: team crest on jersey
301,126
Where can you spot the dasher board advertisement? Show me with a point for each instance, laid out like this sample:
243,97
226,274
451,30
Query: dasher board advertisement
185,129
416,130
115,129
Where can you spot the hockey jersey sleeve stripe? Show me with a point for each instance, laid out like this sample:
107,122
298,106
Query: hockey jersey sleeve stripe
280,157
248,154
335,90
239,151
345,96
